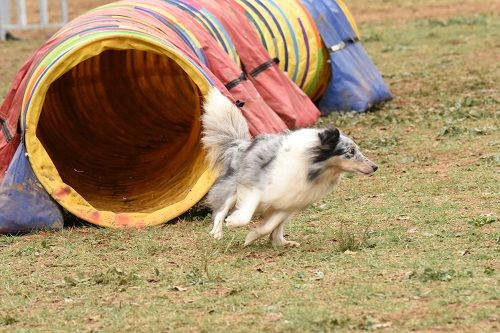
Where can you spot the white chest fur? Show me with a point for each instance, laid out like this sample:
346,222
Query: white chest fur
288,187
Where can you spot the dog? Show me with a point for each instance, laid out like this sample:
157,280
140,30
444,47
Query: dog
275,175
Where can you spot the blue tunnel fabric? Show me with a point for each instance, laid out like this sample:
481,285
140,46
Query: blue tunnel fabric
24,204
356,84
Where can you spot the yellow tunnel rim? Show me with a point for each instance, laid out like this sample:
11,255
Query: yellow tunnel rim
43,166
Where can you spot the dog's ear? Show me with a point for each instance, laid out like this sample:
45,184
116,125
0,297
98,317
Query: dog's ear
329,137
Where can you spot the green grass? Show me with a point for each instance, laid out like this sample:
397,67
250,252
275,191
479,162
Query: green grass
414,248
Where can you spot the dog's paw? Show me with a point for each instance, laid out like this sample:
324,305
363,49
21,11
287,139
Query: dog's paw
252,236
217,234
285,243
291,244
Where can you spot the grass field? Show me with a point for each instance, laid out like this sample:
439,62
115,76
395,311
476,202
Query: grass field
415,248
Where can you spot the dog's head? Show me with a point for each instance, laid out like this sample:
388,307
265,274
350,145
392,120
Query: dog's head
339,152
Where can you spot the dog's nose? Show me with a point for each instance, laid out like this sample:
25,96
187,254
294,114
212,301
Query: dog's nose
375,168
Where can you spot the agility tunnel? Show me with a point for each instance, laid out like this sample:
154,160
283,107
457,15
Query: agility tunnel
111,127
104,119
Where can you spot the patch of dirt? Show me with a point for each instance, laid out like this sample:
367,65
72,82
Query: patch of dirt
386,11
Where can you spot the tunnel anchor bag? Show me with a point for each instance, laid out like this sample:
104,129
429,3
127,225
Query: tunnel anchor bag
356,84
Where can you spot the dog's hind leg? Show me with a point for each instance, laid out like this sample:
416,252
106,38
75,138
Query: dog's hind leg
271,222
220,215
248,201
277,237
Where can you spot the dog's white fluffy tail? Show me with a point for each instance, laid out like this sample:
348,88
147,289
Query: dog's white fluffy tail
224,128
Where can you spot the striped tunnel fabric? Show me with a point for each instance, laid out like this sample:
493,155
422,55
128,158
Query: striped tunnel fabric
288,33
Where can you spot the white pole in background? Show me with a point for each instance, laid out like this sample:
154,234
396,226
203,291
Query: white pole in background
21,13
64,11
5,11
4,17
44,12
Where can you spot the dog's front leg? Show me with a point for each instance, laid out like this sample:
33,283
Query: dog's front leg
220,215
248,201
271,222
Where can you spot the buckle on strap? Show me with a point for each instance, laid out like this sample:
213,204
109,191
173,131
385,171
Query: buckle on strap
342,45
237,81
259,69
5,130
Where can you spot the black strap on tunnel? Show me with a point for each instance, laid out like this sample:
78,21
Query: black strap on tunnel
342,45
237,81
5,130
259,69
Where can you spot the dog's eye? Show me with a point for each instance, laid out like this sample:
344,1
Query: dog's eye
352,151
